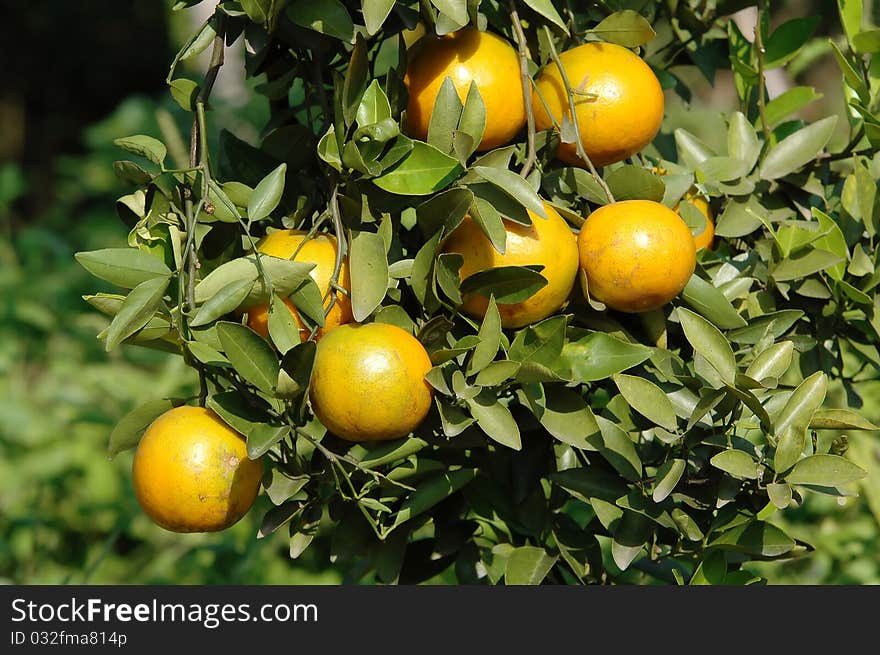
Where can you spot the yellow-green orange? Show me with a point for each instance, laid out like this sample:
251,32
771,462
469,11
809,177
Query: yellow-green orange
368,382
618,102
191,472
548,242
466,56
321,250
636,255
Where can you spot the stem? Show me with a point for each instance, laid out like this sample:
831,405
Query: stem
579,146
341,249
759,44
526,88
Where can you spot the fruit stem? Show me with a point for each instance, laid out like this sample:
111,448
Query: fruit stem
531,155
341,249
579,146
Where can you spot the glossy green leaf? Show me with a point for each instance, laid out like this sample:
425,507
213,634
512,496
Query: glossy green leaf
840,419
627,28
802,404
136,310
598,356
668,476
647,399
546,9
711,303
145,146
495,419
423,171
796,150
369,273
824,470
708,341
490,340
375,12
737,463
128,430
124,267
509,284
224,301
250,355
528,565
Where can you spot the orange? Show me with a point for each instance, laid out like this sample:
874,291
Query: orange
368,382
548,242
637,255
619,102
320,249
467,56
191,472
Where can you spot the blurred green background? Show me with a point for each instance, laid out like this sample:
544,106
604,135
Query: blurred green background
67,513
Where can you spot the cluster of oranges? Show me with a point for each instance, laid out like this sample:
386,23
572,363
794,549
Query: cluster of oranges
191,470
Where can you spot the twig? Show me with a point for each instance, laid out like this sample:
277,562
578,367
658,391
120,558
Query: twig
526,88
579,146
341,249
759,44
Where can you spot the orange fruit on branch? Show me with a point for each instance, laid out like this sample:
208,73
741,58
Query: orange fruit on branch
618,101
636,255
191,472
368,382
466,56
321,250
548,242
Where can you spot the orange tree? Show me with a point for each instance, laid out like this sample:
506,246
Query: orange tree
482,176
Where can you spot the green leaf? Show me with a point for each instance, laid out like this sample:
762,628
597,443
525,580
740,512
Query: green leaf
590,482
145,146
562,412
283,328
772,362
850,17
328,17
124,267
454,9
867,42
509,284
789,448
711,303
490,340
369,273
789,102
490,221
778,323
375,12
755,538
832,241
795,150
667,477
374,106
692,151
184,92
635,183
495,419
425,170
539,344
598,356
286,276
267,194
497,372
787,40
131,173
445,116
250,355
840,419
514,186
617,447
780,494
224,301
627,28
742,141
446,270
824,470
851,75
546,9
136,310
708,341
802,404
528,565
737,463
472,122
297,363
647,399
431,492
128,431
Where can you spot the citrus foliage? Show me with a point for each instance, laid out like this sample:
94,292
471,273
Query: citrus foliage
581,447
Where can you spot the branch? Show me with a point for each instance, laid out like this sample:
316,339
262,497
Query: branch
526,88
759,44
579,146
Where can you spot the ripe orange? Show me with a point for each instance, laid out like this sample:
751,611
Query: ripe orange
467,56
548,242
321,249
619,102
368,382
191,472
637,255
